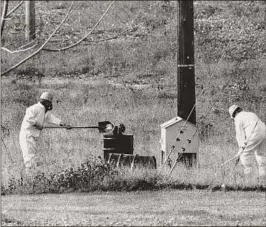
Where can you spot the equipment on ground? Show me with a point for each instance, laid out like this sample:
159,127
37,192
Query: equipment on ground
131,160
118,151
117,147
179,143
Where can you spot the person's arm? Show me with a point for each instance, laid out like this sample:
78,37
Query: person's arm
240,133
52,119
240,137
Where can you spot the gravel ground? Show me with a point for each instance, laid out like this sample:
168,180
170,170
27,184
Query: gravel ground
150,208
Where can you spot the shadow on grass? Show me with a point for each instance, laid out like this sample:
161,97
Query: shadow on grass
126,185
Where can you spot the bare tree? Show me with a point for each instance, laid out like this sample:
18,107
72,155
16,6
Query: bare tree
42,46
14,9
3,18
86,35
49,38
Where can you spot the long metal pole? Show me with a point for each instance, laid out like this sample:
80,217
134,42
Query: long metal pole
71,127
186,73
30,20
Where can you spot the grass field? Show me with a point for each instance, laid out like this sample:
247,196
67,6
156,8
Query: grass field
61,149
131,79
150,208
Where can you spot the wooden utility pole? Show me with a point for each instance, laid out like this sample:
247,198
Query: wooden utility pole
30,20
186,73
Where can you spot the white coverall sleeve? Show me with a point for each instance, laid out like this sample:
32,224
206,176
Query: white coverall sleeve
240,134
52,119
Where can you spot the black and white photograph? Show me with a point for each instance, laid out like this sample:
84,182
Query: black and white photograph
133,113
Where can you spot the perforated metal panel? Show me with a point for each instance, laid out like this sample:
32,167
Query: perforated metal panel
187,144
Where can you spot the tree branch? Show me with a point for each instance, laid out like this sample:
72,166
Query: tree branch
99,40
84,37
4,12
15,8
27,44
38,50
19,50
91,41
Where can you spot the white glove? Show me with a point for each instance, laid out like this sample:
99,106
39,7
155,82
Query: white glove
65,125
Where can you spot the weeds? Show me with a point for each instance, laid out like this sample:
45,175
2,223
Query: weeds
141,110
112,73
94,175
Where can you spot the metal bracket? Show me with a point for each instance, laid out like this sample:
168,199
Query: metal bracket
184,66
118,161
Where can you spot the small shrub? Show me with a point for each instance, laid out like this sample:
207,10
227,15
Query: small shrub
30,74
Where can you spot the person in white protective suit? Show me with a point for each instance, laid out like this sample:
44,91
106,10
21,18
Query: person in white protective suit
32,124
251,139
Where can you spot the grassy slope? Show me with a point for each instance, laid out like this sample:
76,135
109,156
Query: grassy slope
145,56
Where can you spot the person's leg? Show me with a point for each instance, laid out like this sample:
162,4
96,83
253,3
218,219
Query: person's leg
260,155
28,147
246,161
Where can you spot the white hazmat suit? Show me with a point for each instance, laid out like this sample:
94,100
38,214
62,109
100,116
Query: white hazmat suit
32,123
251,135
